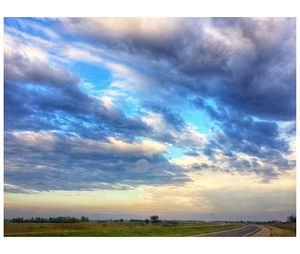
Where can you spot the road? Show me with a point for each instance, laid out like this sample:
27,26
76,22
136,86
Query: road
247,230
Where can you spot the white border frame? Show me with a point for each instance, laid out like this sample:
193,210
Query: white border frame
142,8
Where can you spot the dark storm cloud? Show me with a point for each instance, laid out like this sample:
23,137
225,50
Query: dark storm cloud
26,64
49,161
69,109
19,70
242,134
234,61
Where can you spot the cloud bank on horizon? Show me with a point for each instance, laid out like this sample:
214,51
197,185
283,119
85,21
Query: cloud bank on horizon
118,103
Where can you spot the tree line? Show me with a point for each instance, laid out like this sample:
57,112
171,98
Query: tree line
61,219
153,220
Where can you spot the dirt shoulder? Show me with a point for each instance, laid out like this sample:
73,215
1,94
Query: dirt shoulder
263,232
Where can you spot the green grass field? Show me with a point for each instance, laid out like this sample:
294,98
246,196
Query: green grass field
110,229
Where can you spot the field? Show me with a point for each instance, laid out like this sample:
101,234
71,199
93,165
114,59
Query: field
110,229
282,229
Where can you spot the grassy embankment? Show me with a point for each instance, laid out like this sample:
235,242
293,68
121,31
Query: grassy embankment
282,229
110,229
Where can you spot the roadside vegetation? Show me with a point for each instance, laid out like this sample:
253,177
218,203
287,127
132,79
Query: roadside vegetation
152,226
283,229
149,227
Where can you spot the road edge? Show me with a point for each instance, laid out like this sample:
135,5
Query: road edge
254,232
207,234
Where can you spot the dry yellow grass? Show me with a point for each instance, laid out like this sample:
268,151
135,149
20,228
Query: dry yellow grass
281,229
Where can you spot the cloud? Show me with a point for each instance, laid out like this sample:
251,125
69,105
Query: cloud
241,134
129,34
171,118
40,95
51,161
169,131
239,73
11,188
122,27
231,60
28,64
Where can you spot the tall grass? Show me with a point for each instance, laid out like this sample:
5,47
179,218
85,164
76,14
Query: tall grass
117,229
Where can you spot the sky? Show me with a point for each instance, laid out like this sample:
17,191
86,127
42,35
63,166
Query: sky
186,118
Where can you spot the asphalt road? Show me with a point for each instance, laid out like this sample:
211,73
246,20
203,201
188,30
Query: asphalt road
244,231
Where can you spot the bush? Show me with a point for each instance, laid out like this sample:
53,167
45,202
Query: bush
154,219
291,219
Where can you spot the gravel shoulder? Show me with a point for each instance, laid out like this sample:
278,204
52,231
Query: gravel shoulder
263,232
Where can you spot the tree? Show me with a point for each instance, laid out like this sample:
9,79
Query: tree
154,219
17,220
291,219
84,219
147,221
